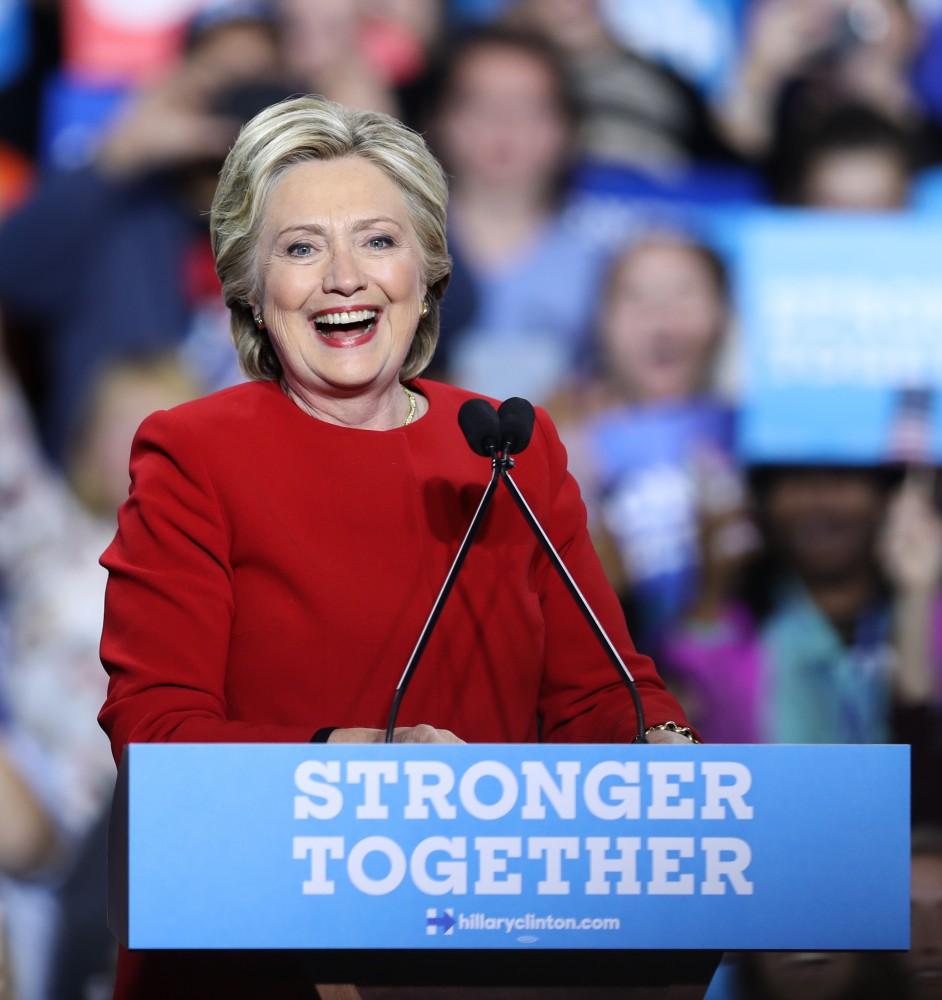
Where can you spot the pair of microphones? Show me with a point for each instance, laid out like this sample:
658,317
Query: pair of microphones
499,434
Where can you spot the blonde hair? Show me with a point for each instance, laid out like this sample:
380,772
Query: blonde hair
311,128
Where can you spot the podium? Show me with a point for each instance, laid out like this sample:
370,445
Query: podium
509,864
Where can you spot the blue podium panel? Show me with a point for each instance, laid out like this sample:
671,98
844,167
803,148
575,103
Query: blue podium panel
511,847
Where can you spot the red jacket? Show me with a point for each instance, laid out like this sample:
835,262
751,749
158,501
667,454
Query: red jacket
271,573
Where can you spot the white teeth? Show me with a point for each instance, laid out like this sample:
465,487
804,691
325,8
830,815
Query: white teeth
355,316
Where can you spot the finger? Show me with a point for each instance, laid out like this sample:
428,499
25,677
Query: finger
424,733
413,734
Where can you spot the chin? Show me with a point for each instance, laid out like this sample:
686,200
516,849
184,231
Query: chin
355,377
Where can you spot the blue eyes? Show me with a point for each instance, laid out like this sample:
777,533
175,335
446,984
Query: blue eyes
303,250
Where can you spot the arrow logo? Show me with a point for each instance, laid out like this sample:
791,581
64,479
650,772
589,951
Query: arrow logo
435,920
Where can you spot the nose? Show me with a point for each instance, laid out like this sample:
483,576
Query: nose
343,274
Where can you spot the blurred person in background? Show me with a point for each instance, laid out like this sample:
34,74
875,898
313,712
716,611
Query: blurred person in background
27,840
818,975
834,628
650,443
323,50
923,961
637,113
851,158
803,56
504,123
51,535
114,257
372,55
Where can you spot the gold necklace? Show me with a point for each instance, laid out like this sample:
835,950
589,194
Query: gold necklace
410,395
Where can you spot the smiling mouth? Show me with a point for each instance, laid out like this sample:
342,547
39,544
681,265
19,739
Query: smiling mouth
346,327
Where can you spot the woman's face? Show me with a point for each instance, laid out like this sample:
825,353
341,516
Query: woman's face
661,323
501,125
826,521
341,278
859,180
316,36
812,975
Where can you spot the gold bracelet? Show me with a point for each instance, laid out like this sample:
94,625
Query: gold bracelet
672,727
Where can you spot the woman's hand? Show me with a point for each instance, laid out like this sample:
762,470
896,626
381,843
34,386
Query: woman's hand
782,36
911,546
422,733
169,125
727,535
911,552
666,736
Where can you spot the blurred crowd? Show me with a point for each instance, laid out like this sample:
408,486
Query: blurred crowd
586,141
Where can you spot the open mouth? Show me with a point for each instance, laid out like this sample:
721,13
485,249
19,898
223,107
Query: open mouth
347,327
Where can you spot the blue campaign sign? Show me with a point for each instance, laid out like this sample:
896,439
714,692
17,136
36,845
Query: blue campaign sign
512,847
842,338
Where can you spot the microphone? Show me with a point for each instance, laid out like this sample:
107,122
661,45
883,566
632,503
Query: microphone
480,425
516,418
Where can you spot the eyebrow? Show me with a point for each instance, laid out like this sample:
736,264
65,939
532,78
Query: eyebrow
319,230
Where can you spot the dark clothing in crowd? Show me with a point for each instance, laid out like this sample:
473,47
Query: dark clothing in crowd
99,269
921,727
641,114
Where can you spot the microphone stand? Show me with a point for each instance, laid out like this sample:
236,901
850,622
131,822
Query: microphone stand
501,464
497,464
503,467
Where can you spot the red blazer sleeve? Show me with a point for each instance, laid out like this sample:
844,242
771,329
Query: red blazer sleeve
168,603
582,698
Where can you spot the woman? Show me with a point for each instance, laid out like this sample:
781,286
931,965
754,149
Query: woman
654,445
284,539
505,124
